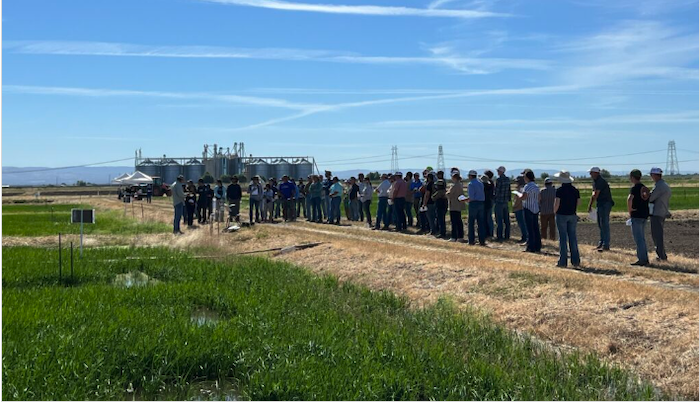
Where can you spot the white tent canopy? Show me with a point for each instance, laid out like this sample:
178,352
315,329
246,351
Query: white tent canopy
118,179
135,178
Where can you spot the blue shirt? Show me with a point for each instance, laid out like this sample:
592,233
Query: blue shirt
336,189
415,187
288,189
475,189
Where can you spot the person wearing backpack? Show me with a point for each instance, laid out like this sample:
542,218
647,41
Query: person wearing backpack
440,198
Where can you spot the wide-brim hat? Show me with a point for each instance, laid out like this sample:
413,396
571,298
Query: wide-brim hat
484,179
564,176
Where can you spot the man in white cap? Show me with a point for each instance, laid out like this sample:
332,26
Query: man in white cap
659,199
502,197
400,188
604,203
475,191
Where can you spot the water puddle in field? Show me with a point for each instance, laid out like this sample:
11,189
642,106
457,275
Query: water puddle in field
134,279
207,390
204,317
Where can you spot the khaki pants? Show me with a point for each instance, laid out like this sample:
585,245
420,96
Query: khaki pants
547,222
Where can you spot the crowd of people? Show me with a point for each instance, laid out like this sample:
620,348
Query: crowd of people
424,200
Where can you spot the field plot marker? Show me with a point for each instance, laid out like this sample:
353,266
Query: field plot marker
60,258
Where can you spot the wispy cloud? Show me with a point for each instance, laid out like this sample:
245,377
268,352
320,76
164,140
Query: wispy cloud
361,9
451,60
632,50
203,96
658,118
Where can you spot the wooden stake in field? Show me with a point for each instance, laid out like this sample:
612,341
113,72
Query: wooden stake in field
71,261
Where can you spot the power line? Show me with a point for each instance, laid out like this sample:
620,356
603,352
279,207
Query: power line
383,160
476,158
67,167
578,164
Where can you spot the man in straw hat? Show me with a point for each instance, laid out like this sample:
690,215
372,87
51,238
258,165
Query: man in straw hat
659,198
565,204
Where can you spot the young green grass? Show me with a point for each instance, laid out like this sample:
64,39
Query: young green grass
281,333
40,220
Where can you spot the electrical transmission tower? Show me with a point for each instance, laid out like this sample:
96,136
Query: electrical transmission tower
672,159
394,159
441,160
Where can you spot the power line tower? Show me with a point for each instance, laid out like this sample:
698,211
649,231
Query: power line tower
672,159
441,160
394,159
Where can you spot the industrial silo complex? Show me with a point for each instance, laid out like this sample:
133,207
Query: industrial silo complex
219,161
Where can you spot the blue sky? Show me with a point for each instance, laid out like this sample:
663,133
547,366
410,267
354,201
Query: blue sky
344,80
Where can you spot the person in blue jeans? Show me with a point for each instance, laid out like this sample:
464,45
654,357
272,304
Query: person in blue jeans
604,203
326,200
382,191
502,198
178,195
638,208
476,197
336,195
565,204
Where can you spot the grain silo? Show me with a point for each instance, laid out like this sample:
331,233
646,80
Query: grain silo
170,170
303,168
282,167
149,168
194,170
261,168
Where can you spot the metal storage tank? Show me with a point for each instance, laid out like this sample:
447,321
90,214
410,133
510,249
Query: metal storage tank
303,168
234,166
261,168
194,170
148,167
170,171
282,167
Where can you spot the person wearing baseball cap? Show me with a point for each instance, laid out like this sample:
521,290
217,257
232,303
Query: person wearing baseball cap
658,200
476,197
604,203
565,205
399,189
456,206
489,189
382,191
531,208
547,196
440,196
638,208
501,200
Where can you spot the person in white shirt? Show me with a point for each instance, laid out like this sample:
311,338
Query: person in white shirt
382,191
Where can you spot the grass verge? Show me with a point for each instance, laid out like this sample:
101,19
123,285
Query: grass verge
280,333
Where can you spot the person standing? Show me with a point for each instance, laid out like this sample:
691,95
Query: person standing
354,196
476,197
565,204
638,208
382,191
547,196
501,200
219,201
604,203
531,208
440,198
301,198
314,198
429,203
659,200
190,205
409,200
255,194
400,189
178,191
201,202
268,203
518,211
366,192
488,201
234,194
287,191
149,193
361,185
414,188
210,201
336,195
456,207
326,201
